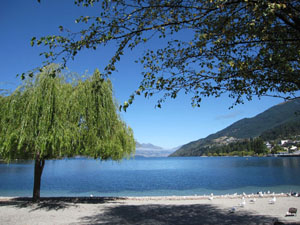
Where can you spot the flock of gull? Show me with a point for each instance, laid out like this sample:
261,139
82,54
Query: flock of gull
251,201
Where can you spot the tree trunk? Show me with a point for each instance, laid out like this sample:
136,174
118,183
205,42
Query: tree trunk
38,169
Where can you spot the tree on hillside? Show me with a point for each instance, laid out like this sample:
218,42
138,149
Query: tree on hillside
258,146
240,48
52,116
276,149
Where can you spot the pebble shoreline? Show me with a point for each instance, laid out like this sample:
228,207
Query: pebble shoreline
201,197
172,197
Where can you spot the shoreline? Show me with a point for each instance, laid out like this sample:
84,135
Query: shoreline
165,197
204,209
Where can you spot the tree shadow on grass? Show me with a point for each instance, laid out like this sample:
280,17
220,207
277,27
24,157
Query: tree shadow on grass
175,215
55,203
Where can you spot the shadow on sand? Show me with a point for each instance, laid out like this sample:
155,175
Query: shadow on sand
55,203
175,215
119,213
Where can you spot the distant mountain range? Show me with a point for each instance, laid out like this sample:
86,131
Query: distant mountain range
147,146
150,150
270,122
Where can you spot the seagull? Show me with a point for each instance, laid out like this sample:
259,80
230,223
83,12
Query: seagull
211,197
91,196
232,210
243,203
273,200
261,194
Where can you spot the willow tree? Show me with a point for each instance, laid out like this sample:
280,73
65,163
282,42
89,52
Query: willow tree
51,116
241,48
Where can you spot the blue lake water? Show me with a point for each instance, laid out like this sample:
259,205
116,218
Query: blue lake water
154,176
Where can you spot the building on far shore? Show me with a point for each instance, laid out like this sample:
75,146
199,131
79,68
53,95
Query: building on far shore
289,147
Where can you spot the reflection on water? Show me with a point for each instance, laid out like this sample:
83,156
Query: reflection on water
153,176
287,162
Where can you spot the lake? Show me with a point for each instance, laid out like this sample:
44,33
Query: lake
154,176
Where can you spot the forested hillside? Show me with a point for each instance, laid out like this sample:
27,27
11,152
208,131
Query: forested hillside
279,121
284,131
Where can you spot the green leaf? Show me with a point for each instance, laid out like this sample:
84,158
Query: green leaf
32,41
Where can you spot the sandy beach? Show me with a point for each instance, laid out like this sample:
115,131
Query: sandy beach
228,209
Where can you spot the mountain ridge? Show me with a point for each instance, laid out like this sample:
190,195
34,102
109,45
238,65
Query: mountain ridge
147,146
245,128
150,150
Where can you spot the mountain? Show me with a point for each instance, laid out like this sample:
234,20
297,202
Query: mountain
150,150
283,131
147,146
275,117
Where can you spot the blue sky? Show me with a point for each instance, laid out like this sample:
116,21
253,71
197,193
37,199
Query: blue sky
176,123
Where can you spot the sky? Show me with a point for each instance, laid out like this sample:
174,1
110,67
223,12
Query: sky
175,124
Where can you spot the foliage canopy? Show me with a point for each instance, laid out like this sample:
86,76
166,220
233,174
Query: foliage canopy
56,116
237,47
